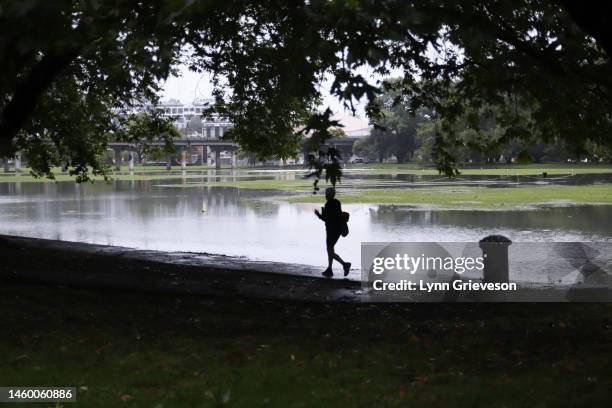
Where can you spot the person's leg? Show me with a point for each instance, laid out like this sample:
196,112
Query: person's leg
331,251
345,265
331,240
330,256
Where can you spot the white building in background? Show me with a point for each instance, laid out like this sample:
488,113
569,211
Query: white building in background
216,127
201,140
212,129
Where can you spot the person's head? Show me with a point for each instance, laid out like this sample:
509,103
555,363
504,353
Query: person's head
330,193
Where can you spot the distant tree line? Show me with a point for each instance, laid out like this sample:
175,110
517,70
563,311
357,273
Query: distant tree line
476,136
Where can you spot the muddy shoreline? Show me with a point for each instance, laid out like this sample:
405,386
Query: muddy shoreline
53,262
36,261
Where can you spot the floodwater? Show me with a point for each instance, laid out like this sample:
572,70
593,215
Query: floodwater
258,225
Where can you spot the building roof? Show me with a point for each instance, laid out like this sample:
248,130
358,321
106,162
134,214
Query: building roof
354,126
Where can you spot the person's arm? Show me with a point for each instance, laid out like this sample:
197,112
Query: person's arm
320,215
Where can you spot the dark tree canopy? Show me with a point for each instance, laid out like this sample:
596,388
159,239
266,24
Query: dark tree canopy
68,67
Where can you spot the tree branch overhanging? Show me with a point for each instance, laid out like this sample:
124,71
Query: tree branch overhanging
26,95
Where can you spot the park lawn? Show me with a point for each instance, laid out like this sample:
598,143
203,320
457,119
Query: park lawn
190,174
26,178
489,170
460,197
474,197
25,175
383,169
153,350
137,168
292,184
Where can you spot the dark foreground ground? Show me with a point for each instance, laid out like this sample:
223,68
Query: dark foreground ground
140,347
155,350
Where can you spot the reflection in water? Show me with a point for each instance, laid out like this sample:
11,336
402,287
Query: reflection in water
585,219
246,222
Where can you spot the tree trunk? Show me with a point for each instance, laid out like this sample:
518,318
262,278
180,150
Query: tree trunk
26,95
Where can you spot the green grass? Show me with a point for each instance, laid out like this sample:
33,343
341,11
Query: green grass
191,174
151,350
492,170
385,168
464,197
290,184
64,177
25,175
474,197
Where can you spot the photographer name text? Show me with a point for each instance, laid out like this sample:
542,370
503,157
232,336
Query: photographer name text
429,287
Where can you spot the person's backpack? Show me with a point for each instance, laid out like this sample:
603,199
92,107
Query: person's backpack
344,230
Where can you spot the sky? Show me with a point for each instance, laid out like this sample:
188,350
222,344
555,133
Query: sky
189,85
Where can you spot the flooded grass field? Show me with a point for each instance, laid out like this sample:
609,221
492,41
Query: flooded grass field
268,214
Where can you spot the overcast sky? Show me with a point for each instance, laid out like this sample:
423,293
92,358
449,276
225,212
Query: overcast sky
189,86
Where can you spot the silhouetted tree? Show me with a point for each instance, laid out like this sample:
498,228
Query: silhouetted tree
68,67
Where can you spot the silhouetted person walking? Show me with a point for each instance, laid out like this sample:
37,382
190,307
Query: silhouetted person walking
335,224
